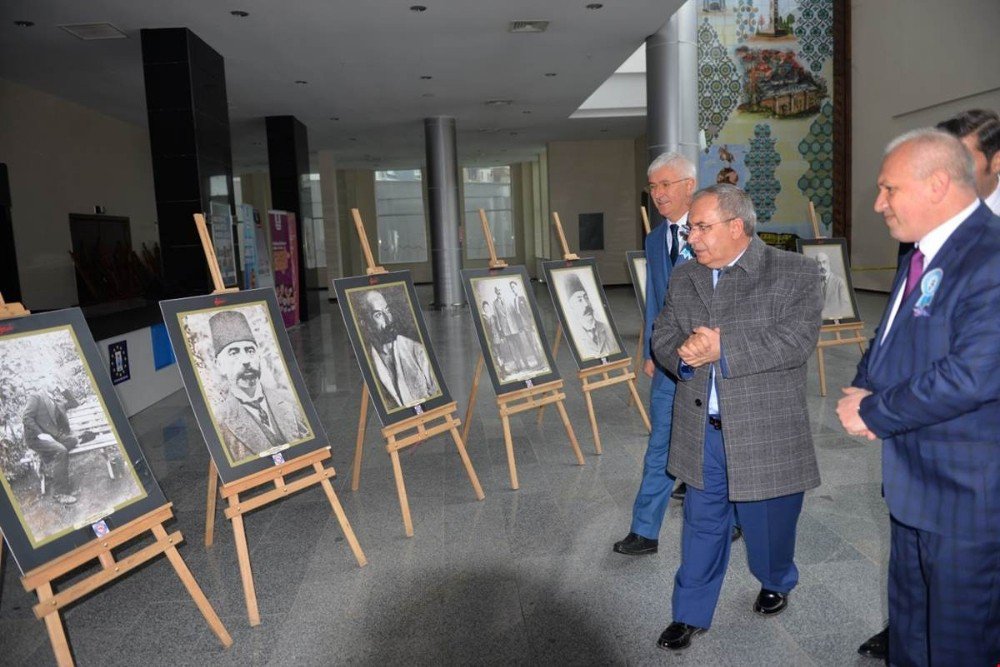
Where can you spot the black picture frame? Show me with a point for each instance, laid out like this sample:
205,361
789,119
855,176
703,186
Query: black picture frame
236,440
400,296
840,303
636,260
557,276
57,349
515,359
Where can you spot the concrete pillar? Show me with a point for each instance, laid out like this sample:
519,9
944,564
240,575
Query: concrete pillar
444,211
672,85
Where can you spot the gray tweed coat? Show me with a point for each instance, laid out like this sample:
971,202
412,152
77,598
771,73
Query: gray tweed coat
768,307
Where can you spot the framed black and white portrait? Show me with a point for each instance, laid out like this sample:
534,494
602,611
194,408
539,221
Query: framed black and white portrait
582,307
637,270
509,328
839,302
242,380
68,457
387,330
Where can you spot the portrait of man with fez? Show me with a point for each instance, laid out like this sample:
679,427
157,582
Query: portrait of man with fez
592,336
253,419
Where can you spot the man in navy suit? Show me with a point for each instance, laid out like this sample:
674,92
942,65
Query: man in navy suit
929,387
672,182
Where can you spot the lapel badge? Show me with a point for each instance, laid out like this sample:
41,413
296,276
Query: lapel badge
928,286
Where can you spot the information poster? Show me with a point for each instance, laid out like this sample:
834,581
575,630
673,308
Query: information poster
285,258
222,239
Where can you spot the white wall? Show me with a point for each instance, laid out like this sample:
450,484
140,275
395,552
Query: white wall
65,158
914,63
146,385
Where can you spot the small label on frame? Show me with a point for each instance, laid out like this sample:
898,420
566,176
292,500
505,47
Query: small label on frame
100,528
278,458
418,410
529,384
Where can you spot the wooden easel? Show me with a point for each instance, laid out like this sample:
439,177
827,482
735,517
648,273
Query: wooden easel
598,377
411,431
51,602
637,367
275,477
520,400
838,333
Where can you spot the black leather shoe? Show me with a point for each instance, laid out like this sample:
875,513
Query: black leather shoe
636,545
770,603
876,647
678,636
737,533
679,491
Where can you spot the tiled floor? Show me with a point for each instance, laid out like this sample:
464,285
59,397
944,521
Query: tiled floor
524,577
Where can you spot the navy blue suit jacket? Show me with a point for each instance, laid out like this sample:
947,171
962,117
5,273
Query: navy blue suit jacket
936,391
658,270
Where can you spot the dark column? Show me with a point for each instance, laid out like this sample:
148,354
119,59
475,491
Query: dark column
10,282
444,211
189,139
288,162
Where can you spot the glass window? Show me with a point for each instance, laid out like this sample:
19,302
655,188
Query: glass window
399,205
314,236
488,188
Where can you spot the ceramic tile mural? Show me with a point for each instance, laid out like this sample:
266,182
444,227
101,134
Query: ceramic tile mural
765,83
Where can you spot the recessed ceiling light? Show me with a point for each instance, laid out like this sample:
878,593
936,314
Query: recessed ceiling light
24,24
239,13
426,77
301,82
604,129
594,5
526,111
353,139
427,95
334,117
513,134
418,8
498,103
550,74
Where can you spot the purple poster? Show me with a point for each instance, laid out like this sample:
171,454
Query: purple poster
285,257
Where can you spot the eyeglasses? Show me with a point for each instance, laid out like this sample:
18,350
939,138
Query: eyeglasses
701,227
663,185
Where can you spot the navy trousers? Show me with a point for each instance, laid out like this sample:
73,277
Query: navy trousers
654,490
709,516
944,599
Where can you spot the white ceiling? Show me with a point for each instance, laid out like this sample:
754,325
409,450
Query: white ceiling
363,60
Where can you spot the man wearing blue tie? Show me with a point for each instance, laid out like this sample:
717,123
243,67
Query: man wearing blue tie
672,181
929,387
737,330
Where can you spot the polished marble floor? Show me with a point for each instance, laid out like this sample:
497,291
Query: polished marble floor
523,577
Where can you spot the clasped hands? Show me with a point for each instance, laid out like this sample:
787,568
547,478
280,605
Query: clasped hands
849,412
703,346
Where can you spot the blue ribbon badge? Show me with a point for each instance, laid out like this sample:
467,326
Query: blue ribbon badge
928,286
686,252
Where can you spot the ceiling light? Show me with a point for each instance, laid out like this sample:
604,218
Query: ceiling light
301,82
526,111
426,77
427,95
418,8
24,24
334,117
498,103
353,139
550,74
528,26
594,5
93,31
513,134
239,13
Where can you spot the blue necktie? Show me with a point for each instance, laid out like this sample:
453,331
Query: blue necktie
674,243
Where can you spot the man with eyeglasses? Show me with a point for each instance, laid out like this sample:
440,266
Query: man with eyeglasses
737,331
671,184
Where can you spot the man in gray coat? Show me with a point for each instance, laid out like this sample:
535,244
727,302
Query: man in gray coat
737,330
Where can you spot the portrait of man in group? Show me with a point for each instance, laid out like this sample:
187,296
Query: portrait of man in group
400,363
253,419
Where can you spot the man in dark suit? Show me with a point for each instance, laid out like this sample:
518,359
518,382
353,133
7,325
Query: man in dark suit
252,419
47,432
979,131
929,387
671,184
737,331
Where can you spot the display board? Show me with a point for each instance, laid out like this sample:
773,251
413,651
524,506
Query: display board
637,270
242,380
285,264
